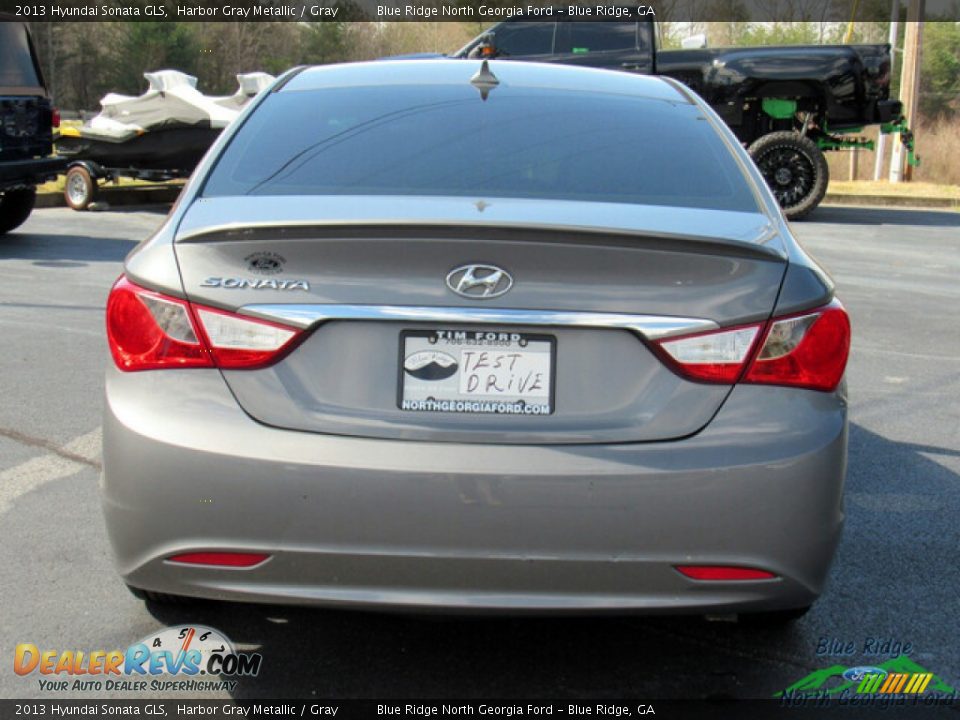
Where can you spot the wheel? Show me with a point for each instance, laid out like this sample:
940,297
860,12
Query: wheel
775,618
80,189
794,168
160,598
15,208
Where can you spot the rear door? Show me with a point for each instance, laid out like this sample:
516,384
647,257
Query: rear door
613,45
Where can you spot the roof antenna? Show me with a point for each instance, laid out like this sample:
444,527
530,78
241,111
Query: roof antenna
484,80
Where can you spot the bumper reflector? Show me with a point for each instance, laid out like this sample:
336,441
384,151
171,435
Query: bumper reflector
723,572
221,559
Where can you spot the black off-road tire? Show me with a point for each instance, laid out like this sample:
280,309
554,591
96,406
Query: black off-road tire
80,189
15,208
795,170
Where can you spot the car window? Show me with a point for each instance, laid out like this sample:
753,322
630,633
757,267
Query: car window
16,62
600,36
445,141
524,38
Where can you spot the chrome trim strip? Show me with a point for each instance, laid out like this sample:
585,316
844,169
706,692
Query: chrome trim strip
651,327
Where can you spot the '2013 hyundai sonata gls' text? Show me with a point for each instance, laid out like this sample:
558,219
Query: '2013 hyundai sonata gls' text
476,336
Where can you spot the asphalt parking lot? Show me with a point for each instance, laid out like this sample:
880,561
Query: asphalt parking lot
895,578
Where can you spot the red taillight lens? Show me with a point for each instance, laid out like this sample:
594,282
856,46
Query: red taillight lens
147,330
241,342
716,356
55,118
808,350
723,572
221,559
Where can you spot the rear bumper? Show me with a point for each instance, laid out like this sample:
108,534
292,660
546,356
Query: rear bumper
27,173
360,522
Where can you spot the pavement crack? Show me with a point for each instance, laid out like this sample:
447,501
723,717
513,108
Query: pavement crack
45,444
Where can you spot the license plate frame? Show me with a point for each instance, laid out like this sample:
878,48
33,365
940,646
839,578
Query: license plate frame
453,343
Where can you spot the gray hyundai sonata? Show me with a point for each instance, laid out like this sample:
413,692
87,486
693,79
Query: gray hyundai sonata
476,337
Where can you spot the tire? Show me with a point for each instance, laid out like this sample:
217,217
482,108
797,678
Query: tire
15,208
795,170
80,188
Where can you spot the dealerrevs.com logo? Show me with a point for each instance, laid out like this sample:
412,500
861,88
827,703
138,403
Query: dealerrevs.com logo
176,658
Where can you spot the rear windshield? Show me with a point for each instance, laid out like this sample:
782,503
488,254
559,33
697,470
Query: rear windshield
447,141
16,62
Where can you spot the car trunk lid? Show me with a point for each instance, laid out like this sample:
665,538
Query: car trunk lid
591,290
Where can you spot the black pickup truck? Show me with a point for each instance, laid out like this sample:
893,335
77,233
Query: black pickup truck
786,104
27,119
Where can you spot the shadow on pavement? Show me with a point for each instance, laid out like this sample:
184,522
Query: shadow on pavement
159,208
338,654
63,250
876,582
882,216
900,484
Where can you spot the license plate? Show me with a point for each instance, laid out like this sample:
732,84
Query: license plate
477,372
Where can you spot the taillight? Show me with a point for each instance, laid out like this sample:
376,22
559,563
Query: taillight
724,572
220,559
714,356
807,350
241,342
55,118
147,330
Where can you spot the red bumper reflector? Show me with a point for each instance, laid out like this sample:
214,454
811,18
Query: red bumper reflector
223,559
723,572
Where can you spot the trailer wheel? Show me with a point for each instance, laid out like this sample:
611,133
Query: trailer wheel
794,168
15,208
80,189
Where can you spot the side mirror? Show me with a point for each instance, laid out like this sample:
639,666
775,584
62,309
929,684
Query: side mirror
485,49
